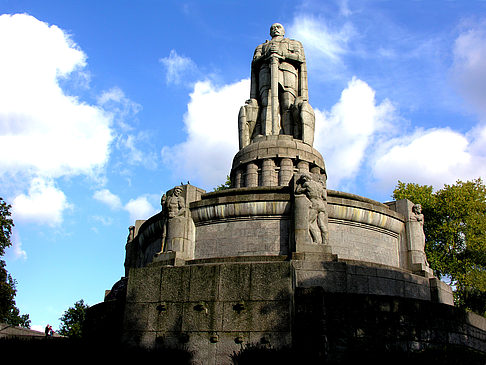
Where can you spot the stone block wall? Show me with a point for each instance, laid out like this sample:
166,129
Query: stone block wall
241,237
212,308
360,278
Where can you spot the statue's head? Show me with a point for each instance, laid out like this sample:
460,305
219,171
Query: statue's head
417,209
277,29
177,191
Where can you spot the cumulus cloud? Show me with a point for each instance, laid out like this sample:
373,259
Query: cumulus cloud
178,68
42,129
107,197
139,208
44,204
442,155
469,66
345,133
46,133
432,157
212,133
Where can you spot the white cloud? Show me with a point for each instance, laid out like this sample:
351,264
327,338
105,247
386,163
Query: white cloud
106,221
135,150
344,134
324,46
211,122
432,157
107,197
17,250
119,107
470,65
45,133
178,68
139,208
42,129
44,204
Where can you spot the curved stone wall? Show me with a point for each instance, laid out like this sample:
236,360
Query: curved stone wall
364,230
242,222
257,221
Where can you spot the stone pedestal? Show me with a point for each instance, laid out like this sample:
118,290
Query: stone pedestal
272,160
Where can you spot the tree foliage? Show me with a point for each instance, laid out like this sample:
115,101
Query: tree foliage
9,313
225,186
73,319
455,231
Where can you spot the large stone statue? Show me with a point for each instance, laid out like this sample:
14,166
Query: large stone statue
417,236
278,101
176,216
312,211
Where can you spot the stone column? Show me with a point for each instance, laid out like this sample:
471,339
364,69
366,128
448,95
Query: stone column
315,170
303,167
268,172
237,182
251,175
286,171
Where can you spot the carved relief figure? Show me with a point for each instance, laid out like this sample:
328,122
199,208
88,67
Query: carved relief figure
176,214
315,191
279,90
417,220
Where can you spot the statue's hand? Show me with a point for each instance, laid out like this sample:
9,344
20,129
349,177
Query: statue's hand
274,51
251,102
274,48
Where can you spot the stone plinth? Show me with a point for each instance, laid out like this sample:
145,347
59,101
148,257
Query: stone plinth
272,161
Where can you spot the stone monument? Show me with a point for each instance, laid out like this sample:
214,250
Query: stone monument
278,259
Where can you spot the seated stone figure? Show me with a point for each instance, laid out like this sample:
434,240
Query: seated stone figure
247,120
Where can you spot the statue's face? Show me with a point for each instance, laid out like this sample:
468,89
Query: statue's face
177,192
276,30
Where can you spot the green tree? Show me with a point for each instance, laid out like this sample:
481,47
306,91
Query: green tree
455,230
73,319
225,186
9,313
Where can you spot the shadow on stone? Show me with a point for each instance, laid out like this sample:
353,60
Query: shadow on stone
68,349
255,354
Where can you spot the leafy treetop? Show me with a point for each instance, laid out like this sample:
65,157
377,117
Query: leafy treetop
455,231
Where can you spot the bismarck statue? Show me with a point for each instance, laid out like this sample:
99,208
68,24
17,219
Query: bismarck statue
279,98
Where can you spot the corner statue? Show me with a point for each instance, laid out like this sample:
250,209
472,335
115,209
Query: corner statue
279,98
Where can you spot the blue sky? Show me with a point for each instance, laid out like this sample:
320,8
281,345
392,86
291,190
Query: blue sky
105,105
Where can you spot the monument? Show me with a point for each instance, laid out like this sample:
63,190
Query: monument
278,259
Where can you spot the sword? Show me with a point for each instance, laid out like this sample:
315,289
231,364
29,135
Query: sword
274,91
